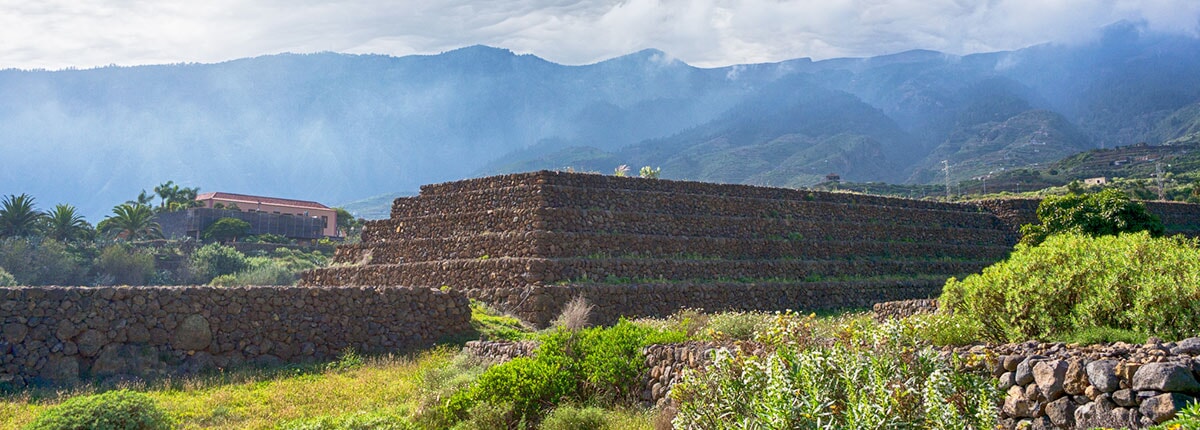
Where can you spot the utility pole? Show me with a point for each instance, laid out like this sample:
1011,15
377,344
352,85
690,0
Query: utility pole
946,168
1158,177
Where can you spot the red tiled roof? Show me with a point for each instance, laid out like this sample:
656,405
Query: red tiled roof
244,198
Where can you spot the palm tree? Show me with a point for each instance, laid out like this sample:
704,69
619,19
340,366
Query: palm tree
133,222
143,198
168,191
64,223
18,217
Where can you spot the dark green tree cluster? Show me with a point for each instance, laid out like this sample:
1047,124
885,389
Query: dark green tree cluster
1107,212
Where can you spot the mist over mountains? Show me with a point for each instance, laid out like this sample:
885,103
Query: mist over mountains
335,128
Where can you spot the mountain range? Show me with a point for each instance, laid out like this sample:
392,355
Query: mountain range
337,128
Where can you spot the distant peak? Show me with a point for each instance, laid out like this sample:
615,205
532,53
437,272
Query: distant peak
649,56
478,50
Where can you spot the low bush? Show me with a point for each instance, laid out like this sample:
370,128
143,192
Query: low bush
594,366
1108,212
574,314
575,418
1071,283
944,328
263,272
866,376
214,259
7,279
528,385
490,324
735,325
125,265
120,409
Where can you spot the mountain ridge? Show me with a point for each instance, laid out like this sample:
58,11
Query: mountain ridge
342,127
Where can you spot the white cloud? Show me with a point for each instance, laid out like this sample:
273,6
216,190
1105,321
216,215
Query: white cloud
84,33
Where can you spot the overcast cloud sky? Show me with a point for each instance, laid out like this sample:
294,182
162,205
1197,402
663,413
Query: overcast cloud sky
86,33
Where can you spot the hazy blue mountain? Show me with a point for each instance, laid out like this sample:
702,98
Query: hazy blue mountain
338,128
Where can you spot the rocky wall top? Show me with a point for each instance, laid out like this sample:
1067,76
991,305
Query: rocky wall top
596,181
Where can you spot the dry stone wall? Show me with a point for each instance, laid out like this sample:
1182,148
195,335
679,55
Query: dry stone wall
639,299
57,335
1056,386
537,236
530,242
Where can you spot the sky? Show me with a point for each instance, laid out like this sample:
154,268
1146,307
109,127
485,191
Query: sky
56,34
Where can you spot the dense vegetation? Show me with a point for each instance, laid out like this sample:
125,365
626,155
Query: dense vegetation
1073,283
1107,212
59,247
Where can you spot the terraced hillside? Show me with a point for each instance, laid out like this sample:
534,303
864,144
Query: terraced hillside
530,242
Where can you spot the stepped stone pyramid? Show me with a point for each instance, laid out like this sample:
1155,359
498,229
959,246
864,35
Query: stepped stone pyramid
530,242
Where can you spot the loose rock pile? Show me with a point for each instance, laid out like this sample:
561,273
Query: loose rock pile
1057,386
57,335
528,243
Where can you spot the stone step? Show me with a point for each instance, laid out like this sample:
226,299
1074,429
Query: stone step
534,197
608,182
520,272
541,244
595,221
541,304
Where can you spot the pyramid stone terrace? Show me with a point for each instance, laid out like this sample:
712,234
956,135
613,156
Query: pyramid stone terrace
530,242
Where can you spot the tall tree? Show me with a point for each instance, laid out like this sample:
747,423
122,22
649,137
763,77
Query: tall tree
143,198
133,222
64,223
18,216
168,192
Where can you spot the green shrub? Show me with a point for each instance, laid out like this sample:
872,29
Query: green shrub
1108,212
269,238
594,365
493,325
575,418
735,325
226,228
528,385
125,265
35,261
214,259
944,328
438,384
1073,282
7,279
121,409
262,271
867,376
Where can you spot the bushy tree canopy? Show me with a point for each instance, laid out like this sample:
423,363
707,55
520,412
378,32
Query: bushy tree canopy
1107,212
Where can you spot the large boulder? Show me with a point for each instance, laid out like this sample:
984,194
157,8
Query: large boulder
1103,375
1172,377
1164,406
193,334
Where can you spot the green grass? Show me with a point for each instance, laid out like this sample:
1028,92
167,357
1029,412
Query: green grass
265,398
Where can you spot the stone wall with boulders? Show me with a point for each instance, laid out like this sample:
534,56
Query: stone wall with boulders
1058,386
59,335
1045,385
